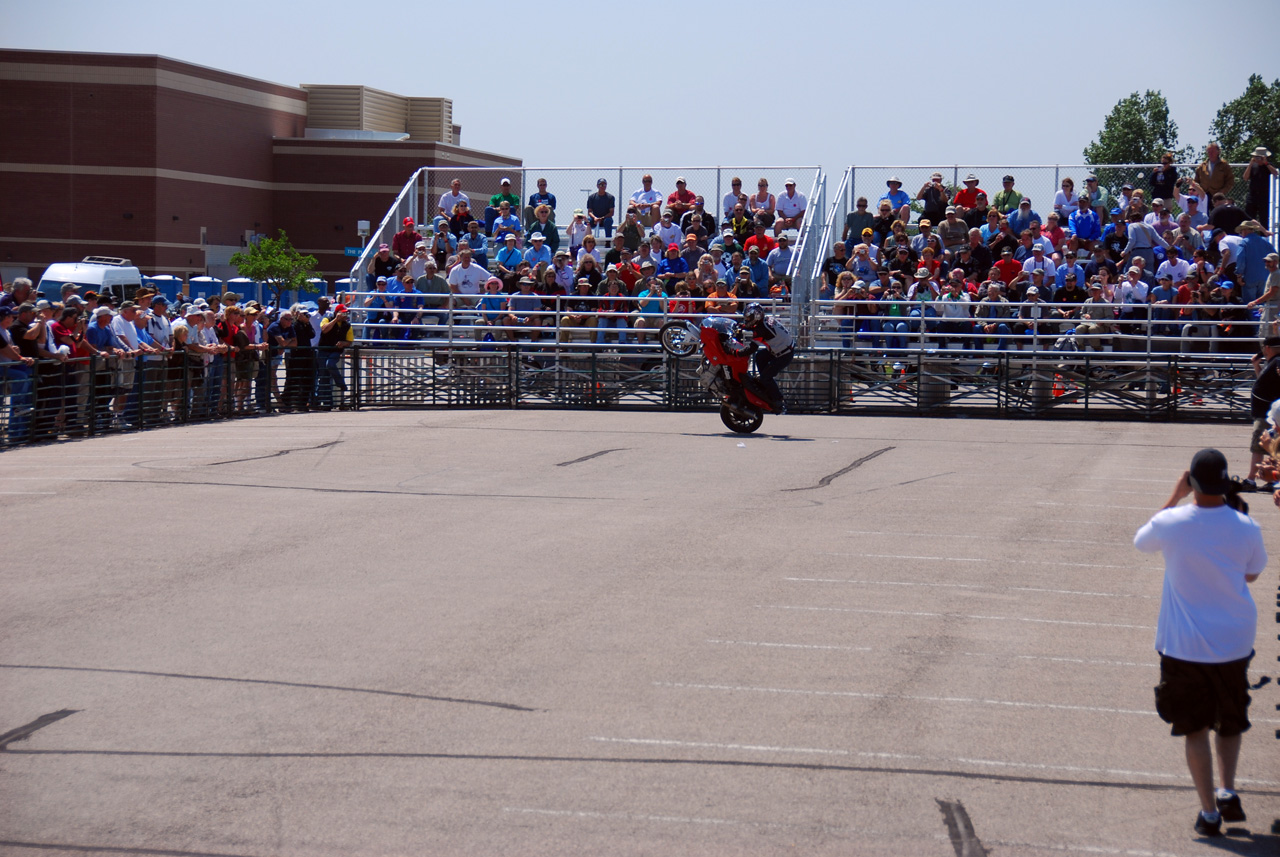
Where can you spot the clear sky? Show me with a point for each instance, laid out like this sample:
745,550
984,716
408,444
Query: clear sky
685,84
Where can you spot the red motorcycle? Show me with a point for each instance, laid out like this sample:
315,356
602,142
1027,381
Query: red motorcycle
725,369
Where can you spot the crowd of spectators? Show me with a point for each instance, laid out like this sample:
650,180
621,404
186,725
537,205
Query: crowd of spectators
85,365
1179,257
512,272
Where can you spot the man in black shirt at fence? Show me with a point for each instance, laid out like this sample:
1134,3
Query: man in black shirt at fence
1266,389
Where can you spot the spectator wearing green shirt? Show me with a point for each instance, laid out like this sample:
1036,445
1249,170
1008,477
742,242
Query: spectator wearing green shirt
1007,199
491,210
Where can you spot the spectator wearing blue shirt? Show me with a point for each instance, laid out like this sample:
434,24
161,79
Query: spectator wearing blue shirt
506,223
1021,219
479,246
1251,260
1083,223
538,252
406,301
759,271
779,258
540,198
508,259
492,303
672,269
1070,266
100,335
896,196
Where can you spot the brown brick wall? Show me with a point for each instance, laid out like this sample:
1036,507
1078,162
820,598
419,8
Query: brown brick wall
143,127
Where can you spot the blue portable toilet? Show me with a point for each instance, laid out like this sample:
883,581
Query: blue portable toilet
248,290
166,284
346,284
203,287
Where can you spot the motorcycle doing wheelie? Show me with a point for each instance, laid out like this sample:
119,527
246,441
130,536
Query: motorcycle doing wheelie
725,369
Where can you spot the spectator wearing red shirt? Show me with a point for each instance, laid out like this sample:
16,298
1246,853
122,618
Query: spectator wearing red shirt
403,242
628,271
761,240
681,200
968,197
1008,267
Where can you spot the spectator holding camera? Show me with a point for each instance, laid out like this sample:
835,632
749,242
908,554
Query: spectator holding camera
1207,624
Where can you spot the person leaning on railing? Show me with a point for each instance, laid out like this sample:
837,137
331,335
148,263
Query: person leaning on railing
524,310
15,379
613,312
579,311
1096,317
649,309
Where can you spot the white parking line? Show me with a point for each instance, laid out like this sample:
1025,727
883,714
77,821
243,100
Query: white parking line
965,586
791,646
1098,662
625,816
864,754
977,559
1079,849
853,694
680,819
957,616
1150,509
992,539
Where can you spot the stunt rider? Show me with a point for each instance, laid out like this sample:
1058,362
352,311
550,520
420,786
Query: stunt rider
727,333
775,348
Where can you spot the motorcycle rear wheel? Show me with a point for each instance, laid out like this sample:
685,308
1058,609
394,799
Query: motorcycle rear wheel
676,339
740,424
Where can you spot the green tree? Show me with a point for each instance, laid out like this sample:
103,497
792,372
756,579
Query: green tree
275,262
1249,121
1138,130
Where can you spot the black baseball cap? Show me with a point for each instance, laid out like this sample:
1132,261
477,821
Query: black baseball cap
1208,473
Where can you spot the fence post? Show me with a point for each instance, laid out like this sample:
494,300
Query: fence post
720,196
354,373
513,375
593,398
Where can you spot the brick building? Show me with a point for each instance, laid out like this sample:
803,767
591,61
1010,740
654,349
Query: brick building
173,165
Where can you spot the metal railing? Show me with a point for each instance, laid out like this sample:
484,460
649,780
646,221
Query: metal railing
1130,329
98,395
1003,384
819,242
555,323
92,397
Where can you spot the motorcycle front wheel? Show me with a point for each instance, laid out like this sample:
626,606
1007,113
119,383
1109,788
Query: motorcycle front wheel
740,424
677,340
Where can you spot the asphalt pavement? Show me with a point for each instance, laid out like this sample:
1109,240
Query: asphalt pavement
535,632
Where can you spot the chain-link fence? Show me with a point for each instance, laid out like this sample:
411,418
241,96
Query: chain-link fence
1039,183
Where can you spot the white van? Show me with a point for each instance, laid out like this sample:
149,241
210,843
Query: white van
103,274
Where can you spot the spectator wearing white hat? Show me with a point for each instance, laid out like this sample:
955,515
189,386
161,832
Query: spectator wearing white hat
1269,300
967,196
895,195
791,205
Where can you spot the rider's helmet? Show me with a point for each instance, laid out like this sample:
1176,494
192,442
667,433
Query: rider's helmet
752,315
